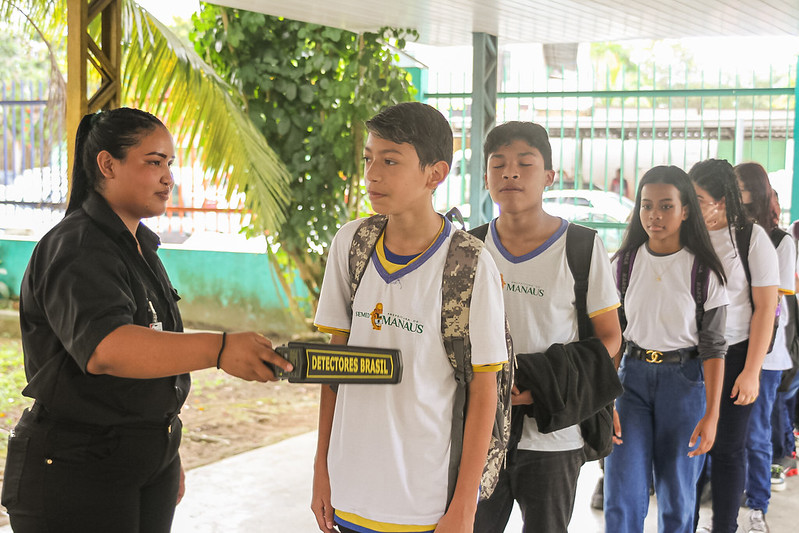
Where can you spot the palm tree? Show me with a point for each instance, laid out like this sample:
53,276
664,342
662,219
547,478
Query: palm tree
164,75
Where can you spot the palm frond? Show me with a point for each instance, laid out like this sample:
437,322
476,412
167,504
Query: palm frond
50,16
38,18
164,75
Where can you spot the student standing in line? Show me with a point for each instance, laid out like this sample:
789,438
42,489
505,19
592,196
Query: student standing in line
783,416
673,361
752,290
383,450
105,359
762,207
529,247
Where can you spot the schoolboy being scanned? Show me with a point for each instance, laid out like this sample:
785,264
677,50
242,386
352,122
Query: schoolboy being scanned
383,450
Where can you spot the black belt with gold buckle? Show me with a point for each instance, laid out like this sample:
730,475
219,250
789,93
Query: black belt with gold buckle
657,357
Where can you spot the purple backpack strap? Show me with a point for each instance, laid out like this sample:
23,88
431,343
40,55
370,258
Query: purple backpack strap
624,269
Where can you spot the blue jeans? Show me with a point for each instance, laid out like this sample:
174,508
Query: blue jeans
658,411
758,444
782,420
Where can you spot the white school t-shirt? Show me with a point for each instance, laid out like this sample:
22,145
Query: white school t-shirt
389,447
661,315
538,289
779,358
763,269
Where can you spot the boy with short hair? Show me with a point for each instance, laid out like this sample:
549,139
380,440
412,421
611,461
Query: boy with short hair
529,247
383,450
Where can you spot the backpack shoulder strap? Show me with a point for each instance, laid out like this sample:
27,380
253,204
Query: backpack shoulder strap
579,249
480,231
742,239
454,215
361,249
624,269
700,281
457,283
777,234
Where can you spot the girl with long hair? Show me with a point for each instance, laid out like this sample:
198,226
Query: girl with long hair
674,305
750,265
760,203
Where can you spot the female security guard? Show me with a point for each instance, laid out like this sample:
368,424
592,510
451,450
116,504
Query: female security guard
105,362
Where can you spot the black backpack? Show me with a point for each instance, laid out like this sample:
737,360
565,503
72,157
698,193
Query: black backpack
742,239
792,342
791,335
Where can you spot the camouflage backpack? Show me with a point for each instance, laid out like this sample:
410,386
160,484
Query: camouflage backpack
456,294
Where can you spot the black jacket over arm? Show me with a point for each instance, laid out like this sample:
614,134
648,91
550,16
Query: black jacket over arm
573,383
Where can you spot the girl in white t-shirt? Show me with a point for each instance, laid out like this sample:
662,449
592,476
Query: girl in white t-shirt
761,205
673,360
750,321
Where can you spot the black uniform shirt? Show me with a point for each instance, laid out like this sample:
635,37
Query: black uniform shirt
85,279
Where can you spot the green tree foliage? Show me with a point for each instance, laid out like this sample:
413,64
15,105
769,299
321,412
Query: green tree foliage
22,59
309,89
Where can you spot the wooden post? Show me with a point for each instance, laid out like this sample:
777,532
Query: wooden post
77,43
105,59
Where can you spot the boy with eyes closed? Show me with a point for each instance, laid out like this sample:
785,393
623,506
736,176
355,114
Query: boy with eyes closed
529,247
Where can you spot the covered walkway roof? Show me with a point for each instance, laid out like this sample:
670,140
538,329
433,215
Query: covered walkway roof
452,22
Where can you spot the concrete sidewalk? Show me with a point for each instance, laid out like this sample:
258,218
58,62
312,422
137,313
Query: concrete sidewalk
268,490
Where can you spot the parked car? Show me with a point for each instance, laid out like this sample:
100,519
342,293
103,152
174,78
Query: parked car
584,205
588,205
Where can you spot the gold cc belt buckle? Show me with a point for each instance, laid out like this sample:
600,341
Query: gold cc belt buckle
653,356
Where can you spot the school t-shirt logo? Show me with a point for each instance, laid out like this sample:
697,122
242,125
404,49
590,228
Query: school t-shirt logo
522,288
381,318
377,317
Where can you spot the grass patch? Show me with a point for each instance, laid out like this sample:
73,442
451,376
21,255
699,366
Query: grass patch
12,381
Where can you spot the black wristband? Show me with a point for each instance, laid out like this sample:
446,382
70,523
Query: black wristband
221,349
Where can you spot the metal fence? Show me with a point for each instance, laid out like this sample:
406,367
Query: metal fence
608,127
34,185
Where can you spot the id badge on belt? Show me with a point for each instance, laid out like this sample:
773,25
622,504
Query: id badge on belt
155,324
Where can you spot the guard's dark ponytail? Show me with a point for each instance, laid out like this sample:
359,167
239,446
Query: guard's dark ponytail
114,131
82,178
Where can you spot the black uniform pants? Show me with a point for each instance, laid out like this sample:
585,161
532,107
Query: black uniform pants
544,484
728,455
65,477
